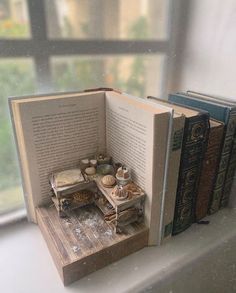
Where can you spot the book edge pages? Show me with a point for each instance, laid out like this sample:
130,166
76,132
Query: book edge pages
174,163
165,183
159,165
167,105
19,159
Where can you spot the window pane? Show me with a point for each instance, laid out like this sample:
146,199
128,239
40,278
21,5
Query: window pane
16,78
106,19
138,75
14,20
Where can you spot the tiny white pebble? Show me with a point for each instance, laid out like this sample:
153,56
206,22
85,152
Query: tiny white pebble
108,232
75,248
77,231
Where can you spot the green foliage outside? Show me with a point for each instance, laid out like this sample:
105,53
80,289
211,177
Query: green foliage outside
11,29
74,74
16,78
139,29
79,73
136,81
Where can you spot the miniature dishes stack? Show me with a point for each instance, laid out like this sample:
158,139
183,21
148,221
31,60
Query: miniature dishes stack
123,176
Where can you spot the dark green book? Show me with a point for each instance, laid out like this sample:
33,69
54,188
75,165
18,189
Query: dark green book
194,144
225,112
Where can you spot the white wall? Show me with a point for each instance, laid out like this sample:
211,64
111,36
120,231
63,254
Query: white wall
206,48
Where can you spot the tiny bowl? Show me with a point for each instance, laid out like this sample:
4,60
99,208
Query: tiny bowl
104,161
105,169
121,181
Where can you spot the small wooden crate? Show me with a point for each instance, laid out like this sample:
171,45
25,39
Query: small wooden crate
84,242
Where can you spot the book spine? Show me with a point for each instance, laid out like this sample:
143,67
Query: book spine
231,169
221,182
232,198
193,149
208,172
172,176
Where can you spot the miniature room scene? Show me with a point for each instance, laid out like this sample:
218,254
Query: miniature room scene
117,146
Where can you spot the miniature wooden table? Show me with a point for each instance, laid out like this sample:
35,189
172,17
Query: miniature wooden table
126,211
67,191
119,205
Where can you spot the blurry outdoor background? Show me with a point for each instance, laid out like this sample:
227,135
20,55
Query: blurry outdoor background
139,74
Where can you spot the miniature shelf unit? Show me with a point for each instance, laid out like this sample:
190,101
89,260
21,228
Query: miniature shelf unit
117,212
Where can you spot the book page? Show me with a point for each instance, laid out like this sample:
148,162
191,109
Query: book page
129,136
58,133
136,135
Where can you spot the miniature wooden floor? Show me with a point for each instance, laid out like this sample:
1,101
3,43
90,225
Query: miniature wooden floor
84,243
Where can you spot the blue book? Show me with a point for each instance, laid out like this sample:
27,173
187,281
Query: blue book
226,113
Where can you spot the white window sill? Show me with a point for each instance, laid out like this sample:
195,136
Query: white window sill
12,217
202,259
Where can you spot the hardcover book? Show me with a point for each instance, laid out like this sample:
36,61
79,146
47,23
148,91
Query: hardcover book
176,131
193,149
209,168
56,131
226,113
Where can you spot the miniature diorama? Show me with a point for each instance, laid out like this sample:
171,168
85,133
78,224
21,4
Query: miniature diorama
100,182
96,216
88,162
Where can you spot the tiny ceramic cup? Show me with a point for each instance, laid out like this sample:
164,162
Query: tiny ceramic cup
93,163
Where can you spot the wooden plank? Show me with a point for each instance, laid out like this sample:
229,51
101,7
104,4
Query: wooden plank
84,242
56,256
106,256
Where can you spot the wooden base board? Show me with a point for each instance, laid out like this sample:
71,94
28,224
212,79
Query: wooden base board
84,242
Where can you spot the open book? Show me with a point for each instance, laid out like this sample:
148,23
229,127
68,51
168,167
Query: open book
56,131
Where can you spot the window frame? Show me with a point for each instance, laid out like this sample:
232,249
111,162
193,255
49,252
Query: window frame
40,48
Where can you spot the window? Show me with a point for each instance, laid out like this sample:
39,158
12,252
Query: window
16,78
58,45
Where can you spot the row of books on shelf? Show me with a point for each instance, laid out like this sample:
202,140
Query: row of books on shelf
207,160
181,152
